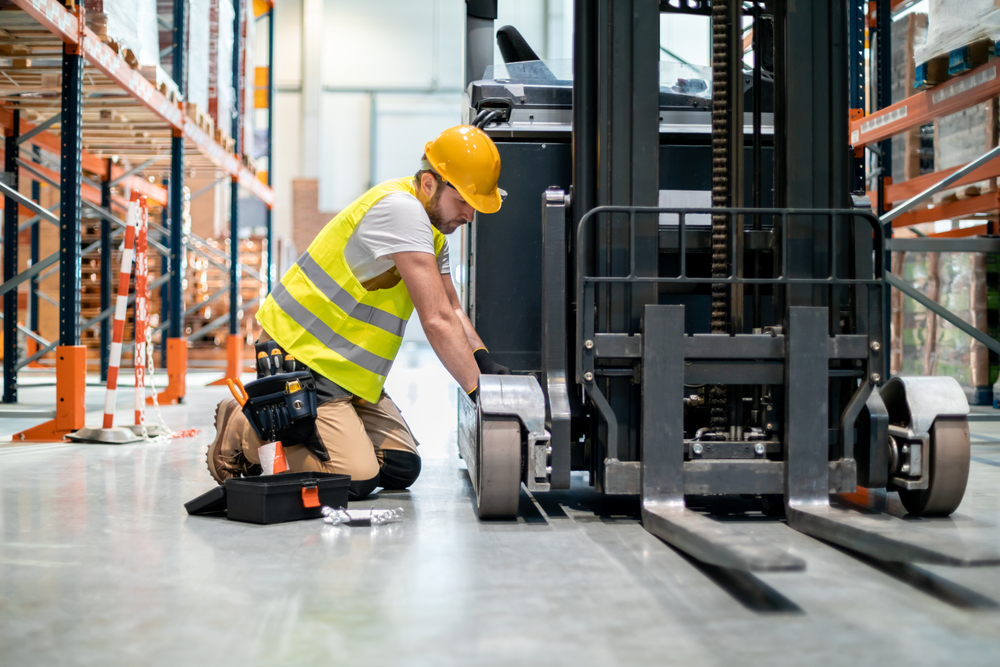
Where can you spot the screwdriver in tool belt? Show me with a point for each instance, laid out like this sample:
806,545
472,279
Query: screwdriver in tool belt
277,360
263,364
289,363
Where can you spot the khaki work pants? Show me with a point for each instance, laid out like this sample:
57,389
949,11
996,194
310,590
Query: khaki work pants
368,441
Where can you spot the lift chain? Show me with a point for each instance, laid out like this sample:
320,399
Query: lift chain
721,110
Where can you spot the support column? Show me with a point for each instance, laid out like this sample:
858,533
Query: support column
234,207
883,98
71,357
32,344
176,343
10,223
164,271
311,133
106,274
234,258
272,262
234,342
69,198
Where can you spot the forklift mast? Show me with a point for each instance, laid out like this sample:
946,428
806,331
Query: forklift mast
698,309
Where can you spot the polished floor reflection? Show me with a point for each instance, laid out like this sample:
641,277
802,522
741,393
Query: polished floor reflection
100,565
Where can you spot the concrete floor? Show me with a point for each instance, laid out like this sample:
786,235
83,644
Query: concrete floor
99,564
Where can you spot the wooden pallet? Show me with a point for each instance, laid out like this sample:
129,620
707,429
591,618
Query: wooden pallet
249,163
224,140
958,61
201,117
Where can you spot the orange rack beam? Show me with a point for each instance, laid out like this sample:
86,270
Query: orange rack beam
962,92
895,192
963,208
53,16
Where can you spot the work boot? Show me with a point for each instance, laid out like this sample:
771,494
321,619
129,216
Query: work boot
225,456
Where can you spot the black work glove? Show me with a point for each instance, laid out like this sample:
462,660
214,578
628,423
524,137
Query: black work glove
474,395
486,365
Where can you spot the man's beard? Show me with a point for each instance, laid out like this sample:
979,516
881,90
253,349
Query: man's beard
433,208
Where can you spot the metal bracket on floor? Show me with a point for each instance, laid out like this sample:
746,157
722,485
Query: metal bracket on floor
234,360
176,374
71,384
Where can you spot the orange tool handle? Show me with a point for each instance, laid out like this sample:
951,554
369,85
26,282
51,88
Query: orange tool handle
241,395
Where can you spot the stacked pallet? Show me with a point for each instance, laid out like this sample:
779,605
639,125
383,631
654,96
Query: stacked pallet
129,26
961,36
220,66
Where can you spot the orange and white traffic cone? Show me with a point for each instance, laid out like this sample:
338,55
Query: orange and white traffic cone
272,458
280,464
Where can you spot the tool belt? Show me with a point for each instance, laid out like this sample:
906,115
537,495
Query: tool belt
282,407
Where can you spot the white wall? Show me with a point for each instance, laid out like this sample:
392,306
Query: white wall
393,69
404,123
287,114
406,57
530,17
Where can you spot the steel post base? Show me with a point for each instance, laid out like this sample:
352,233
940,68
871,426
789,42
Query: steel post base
153,432
105,436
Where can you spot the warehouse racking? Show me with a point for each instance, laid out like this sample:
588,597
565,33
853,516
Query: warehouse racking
909,202
78,108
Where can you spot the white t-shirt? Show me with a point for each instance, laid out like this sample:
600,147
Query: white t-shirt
396,223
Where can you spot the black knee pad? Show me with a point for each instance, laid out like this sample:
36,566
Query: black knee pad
399,469
362,488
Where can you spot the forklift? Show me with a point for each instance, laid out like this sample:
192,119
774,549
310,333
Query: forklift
688,283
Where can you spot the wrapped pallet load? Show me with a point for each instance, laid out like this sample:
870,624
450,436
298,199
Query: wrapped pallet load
147,32
198,67
220,64
932,346
954,24
115,22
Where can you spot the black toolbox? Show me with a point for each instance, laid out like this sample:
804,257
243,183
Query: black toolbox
287,496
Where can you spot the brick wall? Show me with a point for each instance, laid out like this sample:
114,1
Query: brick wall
905,35
307,219
960,138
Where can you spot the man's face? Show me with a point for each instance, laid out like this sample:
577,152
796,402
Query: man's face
446,208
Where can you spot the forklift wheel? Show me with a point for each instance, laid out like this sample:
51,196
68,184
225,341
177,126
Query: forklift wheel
499,468
949,471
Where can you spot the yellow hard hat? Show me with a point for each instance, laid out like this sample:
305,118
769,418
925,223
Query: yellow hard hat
469,160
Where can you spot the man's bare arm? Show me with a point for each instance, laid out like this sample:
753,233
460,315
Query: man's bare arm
485,362
470,332
419,270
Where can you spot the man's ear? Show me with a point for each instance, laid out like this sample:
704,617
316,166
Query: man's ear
427,182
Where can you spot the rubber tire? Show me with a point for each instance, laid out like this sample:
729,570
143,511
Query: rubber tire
949,471
498,490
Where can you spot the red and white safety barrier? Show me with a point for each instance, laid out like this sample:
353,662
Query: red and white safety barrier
121,306
141,312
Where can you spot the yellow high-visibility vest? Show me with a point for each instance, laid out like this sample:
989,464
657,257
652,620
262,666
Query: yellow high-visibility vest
321,315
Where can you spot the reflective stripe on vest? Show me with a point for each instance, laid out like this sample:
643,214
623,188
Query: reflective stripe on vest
320,314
